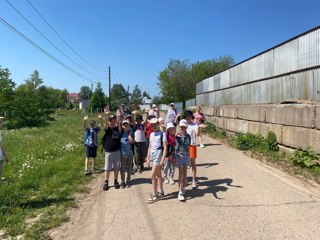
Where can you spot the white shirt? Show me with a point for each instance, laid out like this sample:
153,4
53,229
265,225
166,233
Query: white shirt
155,139
154,113
192,131
171,115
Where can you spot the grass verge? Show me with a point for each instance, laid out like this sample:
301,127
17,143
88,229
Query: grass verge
45,172
301,162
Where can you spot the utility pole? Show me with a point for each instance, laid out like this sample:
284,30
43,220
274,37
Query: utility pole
109,89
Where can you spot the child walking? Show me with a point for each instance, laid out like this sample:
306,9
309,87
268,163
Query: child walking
156,154
126,154
183,140
170,161
91,142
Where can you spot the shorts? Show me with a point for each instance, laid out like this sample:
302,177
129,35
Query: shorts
112,160
91,152
193,151
155,157
183,160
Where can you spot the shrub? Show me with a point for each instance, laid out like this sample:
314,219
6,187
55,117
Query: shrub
305,157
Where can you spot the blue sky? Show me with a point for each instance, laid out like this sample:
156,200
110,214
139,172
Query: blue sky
137,38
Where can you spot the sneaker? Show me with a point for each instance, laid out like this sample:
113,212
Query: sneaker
105,186
187,183
201,145
93,170
183,191
86,172
152,199
194,185
171,181
139,170
181,197
116,184
160,194
129,184
166,180
123,185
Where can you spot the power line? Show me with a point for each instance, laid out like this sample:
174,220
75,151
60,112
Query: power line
35,9
8,25
52,44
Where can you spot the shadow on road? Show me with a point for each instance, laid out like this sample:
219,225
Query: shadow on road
212,144
207,165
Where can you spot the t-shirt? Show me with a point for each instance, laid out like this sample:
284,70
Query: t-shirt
149,130
182,143
1,155
192,131
155,139
198,118
92,136
154,113
112,141
171,145
171,115
125,143
139,134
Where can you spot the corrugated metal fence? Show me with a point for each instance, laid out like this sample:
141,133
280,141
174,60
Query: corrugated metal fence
289,70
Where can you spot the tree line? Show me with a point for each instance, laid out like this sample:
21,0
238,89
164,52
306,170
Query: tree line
30,103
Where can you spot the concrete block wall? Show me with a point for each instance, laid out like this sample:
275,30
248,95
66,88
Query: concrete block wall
295,125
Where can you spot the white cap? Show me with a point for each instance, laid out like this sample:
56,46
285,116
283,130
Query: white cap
160,119
154,120
154,106
183,123
172,104
126,121
170,125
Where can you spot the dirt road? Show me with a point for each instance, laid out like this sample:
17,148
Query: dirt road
238,198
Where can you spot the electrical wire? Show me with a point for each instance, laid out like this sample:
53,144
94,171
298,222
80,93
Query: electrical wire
36,10
8,25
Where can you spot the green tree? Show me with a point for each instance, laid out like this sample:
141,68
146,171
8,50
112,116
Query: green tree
7,92
35,80
118,95
97,99
156,100
145,94
136,96
85,92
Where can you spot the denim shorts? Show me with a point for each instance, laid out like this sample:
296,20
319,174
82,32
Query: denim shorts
183,159
155,157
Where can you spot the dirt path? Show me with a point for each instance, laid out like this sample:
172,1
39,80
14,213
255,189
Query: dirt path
238,198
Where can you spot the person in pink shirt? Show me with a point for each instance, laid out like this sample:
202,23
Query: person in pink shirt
199,119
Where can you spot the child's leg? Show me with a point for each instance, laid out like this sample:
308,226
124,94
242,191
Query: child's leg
86,164
194,169
181,180
154,172
123,168
93,163
184,176
129,167
165,168
172,166
160,182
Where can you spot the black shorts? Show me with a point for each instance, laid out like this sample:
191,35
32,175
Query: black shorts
91,151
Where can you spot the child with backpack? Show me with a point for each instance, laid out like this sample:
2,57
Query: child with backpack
156,154
183,140
91,142
140,145
112,144
126,154
170,161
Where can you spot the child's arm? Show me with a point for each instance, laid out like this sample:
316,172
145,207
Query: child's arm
118,121
164,153
100,120
84,123
148,155
106,115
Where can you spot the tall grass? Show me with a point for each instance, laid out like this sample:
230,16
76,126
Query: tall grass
45,171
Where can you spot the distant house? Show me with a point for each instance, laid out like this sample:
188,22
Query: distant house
74,98
146,102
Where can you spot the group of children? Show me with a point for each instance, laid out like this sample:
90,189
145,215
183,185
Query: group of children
129,141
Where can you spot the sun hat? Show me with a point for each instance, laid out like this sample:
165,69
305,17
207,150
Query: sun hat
160,119
139,117
170,125
154,120
172,104
183,123
154,105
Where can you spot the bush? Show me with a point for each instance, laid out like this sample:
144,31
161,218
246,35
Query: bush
246,141
305,157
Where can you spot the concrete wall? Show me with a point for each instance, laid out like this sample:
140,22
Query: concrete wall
295,125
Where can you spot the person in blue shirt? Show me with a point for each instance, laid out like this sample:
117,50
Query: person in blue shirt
127,140
91,142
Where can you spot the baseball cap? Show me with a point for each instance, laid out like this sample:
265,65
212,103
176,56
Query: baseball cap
183,123
92,122
112,117
160,119
154,120
170,125
172,104
125,122
128,116
154,106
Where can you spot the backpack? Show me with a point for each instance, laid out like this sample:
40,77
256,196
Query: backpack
86,136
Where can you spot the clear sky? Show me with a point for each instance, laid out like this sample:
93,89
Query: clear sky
137,38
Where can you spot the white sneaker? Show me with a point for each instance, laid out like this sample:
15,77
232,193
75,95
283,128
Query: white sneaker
201,145
166,181
194,185
152,199
171,181
181,197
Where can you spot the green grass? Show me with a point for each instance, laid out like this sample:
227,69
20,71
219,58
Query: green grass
45,171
